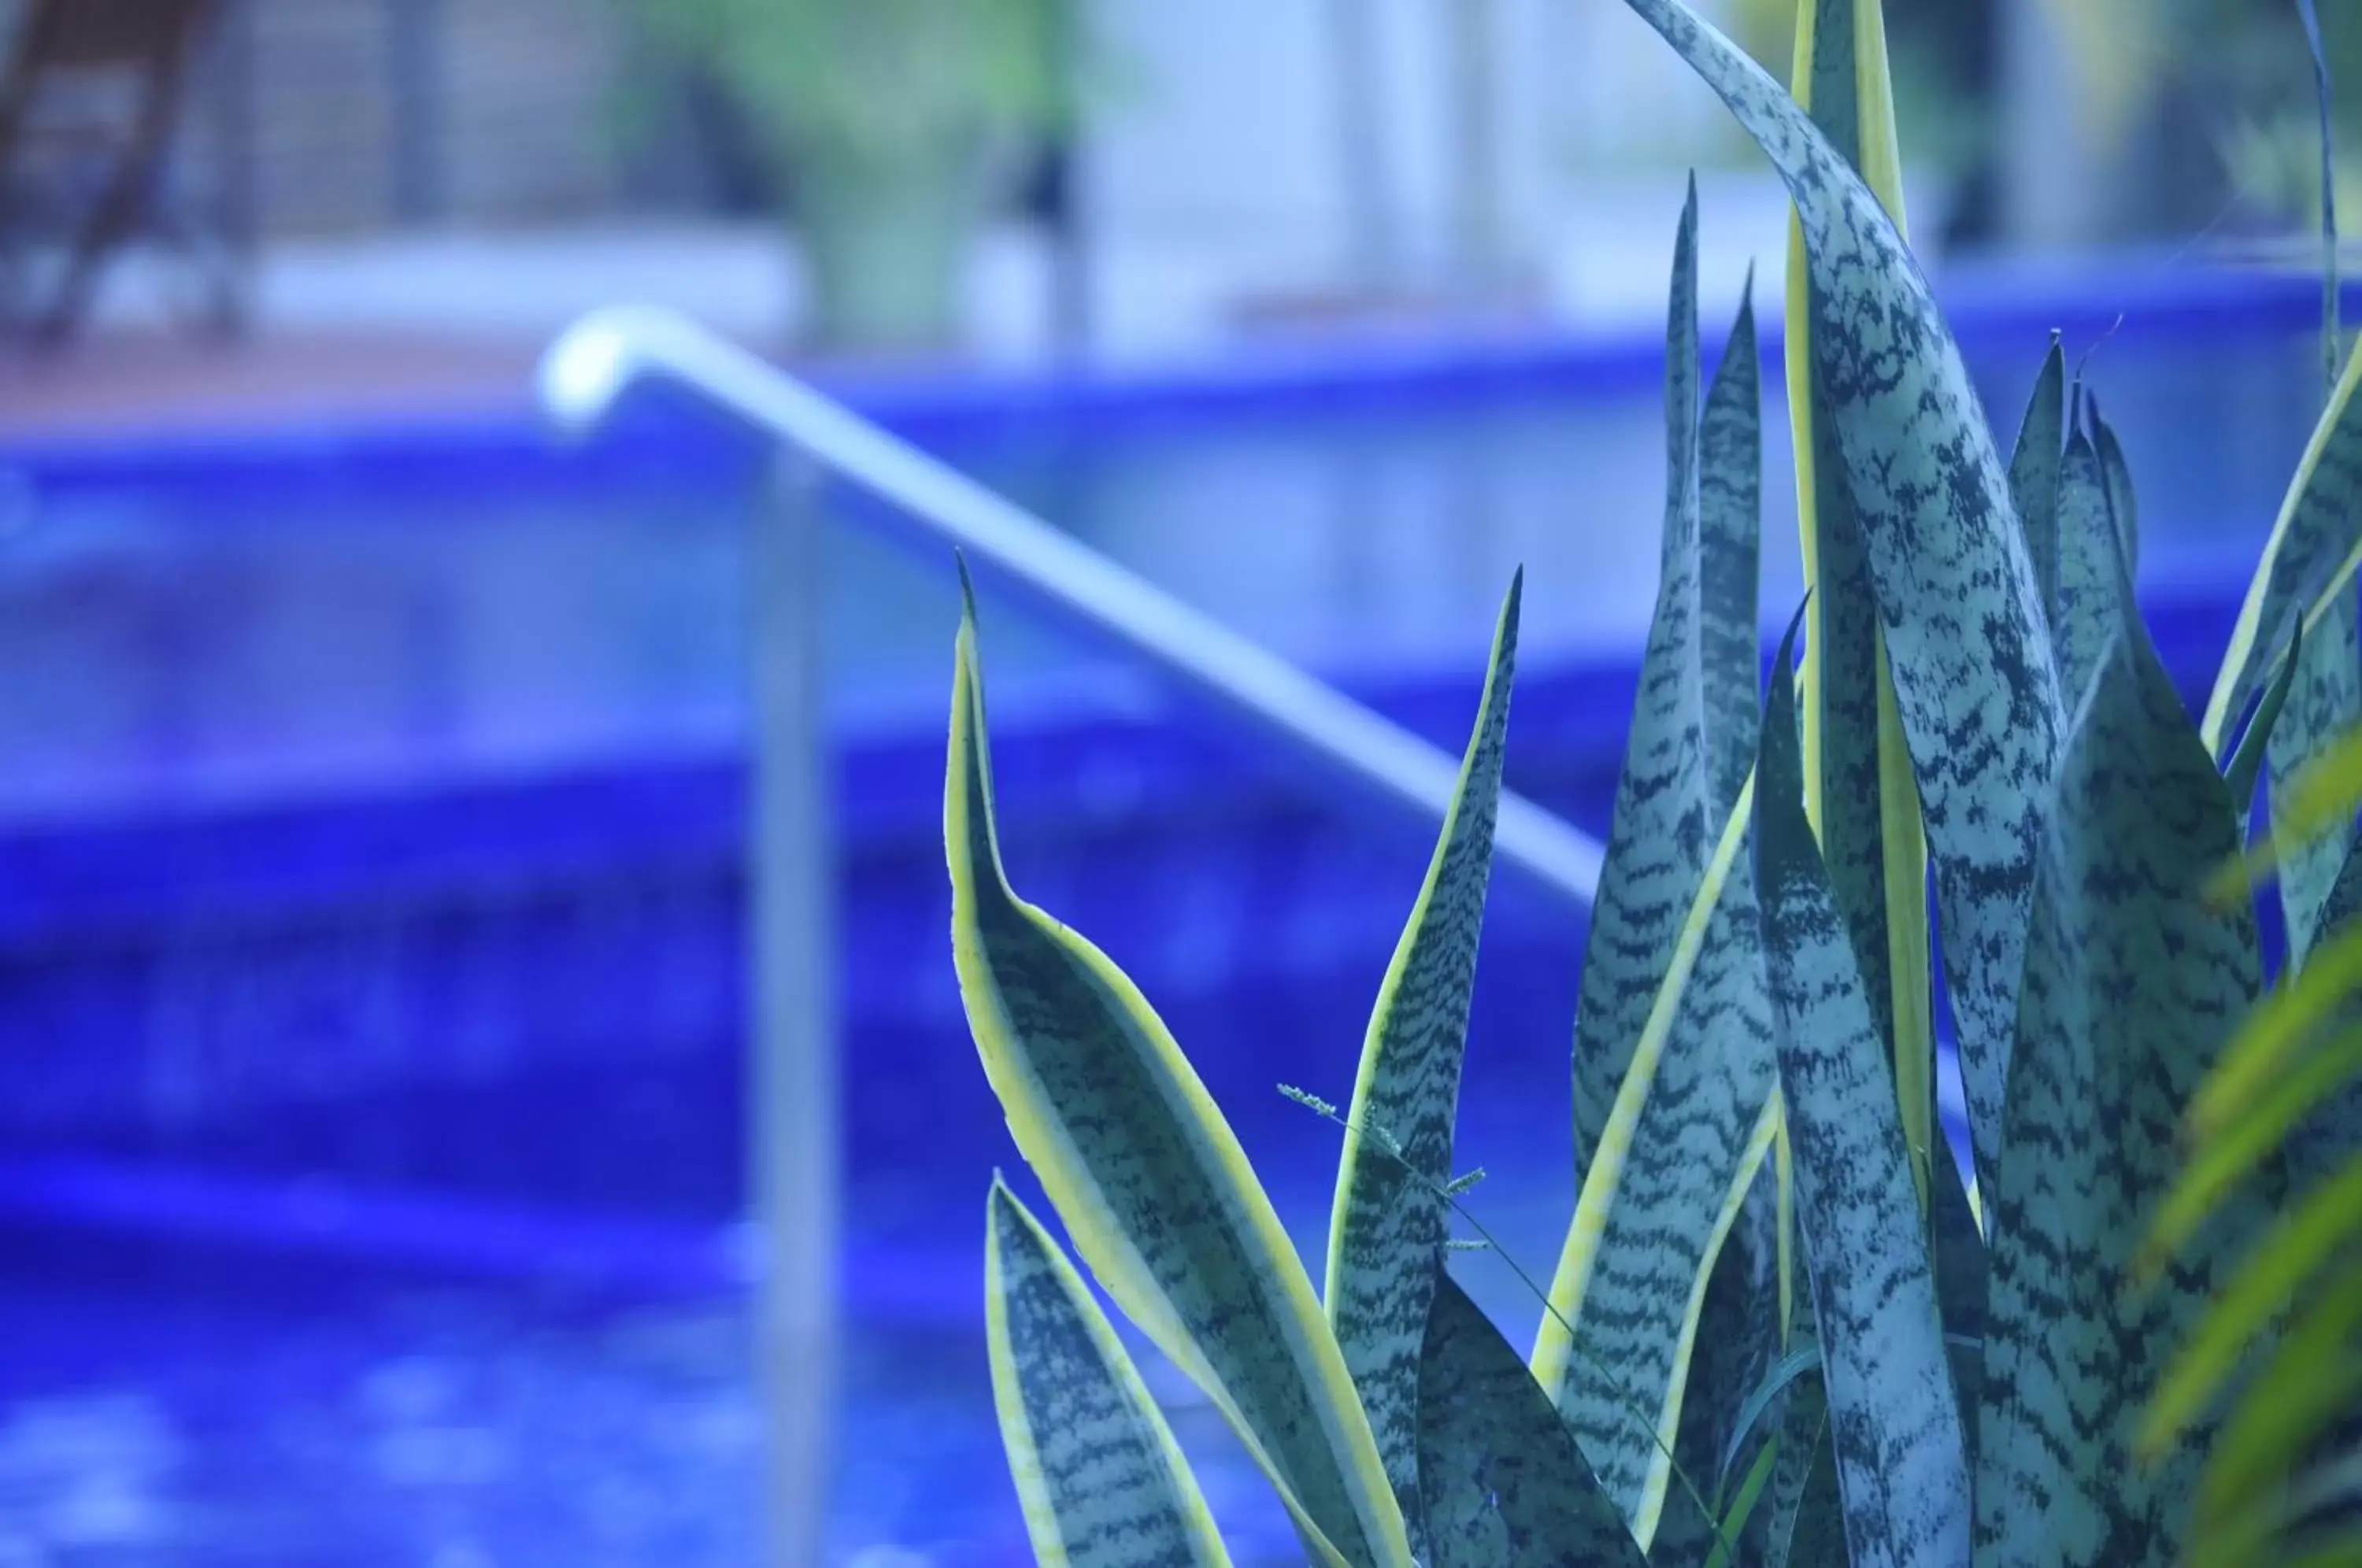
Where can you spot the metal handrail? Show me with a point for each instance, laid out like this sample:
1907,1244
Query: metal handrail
602,356
793,1086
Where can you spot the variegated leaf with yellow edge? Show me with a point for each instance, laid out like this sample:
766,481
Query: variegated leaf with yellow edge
1673,1075
1957,592
1894,1412
2090,606
1388,1225
2319,527
1102,1482
1661,834
1149,1180
1859,791
2033,471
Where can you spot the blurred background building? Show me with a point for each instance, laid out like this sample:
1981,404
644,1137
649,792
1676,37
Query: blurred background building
1119,176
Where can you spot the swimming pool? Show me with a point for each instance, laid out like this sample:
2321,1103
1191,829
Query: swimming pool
370,815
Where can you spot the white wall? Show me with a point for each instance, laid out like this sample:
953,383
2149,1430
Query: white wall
1219,149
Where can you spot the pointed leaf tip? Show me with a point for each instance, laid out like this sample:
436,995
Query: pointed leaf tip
2247,762
1386,1224
967,586
1796,623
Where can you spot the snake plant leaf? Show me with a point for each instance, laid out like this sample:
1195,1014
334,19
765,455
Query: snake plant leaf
1505,1483
2091,604
2034,470
2310,1383
1841,730
2319,524
2316,1232
1692,1125
1148,1179
1102,1482
1730,527
1658,841
2306,1114
1743,1330
1809,1528
1768,1395
1956,589
2246,764
1859,791
2122,503
1388,1223
1736,1341
2269,1040
2326,792
1672,1057
2134,981
1894,1417
1742,1526
2325,702
1962,1282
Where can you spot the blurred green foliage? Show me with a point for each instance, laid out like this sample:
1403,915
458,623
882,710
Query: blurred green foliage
881,81
2235,71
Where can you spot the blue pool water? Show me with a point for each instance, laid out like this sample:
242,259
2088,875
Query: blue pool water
370,810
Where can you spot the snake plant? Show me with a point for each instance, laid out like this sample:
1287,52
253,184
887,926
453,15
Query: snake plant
1786,1326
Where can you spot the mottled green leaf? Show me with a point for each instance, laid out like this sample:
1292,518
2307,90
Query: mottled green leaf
1841,728
1694,1121
1740,1518
1388,1223
1956,589
2319,522
1505,1483
1859,791
1808,1532
2122,503
1730,527
2305,1114
1149,1180
2132,983
2034,470
1672,1057
1737,1341
1962,1276
1102,1482
2325,702
1895,1418
2246,764
2091,602
2312,1382
1740,1332
2237,1319
1764,1399
1659,839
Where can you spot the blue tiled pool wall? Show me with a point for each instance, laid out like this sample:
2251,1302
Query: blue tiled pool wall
447,1016
387,1016
549,1014
524,984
